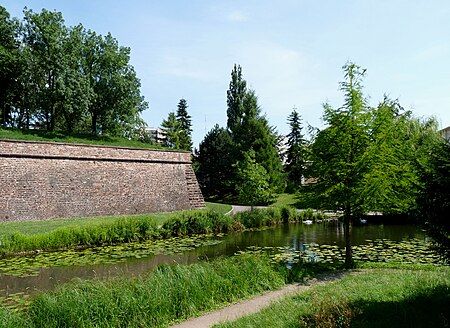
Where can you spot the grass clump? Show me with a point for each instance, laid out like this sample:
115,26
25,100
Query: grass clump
373,298
167,294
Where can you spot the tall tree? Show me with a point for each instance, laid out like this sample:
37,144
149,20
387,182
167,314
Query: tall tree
185,131
10,67
296,150
44,34
339,150
235,99
250,130
117,101
172,128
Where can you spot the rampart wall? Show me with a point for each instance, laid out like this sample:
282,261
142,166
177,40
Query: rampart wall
42,180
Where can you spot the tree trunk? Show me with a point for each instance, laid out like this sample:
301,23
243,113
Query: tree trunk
348,239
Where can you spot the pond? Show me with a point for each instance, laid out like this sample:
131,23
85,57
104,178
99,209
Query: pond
23,276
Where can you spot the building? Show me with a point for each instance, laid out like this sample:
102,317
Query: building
446,133
157,134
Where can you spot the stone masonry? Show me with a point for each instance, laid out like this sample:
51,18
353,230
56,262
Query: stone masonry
41,180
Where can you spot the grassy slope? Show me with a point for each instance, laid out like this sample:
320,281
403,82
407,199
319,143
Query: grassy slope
408,297
36,135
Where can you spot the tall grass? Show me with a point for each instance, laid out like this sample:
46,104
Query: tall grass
165,295
130,229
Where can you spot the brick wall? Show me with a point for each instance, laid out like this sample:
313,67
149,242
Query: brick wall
52,180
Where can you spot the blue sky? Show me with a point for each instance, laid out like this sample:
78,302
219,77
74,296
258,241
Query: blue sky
291,52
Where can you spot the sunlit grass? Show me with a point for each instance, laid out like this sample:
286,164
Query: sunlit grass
375,298
80,138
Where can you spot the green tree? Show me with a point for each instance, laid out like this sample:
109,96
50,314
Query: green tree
369,159
296,150
10,67
339,151
172,128
253,182
434,199
214,163
185,131
235,100
117,102
44,34
250,130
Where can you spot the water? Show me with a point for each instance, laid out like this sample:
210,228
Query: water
136,259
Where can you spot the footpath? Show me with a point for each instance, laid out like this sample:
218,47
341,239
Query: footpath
255,304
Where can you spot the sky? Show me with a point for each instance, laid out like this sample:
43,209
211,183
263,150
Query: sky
291,52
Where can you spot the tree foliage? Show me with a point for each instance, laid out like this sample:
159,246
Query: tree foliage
172,127
185,130
66,78
434,200
253,186
214,163
369,159
178,128
296,152
247,130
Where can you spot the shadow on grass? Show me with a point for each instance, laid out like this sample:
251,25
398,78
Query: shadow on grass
430,308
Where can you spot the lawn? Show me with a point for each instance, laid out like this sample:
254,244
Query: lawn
415,296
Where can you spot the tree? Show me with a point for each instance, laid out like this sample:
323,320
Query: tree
44,34
185,131
368,159
117,102
172,127
214,163
250,130
339,150
253,185
235,100
10,67
296,150
434,199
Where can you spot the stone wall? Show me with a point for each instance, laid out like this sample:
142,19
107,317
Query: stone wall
42,180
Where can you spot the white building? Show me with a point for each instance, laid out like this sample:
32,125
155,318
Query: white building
157,134
446,133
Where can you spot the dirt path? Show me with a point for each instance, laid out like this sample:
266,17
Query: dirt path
253,305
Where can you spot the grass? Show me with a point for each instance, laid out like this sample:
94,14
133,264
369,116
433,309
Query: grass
69,233
411,296
218,208
80,138
165,295
285,200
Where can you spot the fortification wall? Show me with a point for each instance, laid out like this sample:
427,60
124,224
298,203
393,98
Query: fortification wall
41,180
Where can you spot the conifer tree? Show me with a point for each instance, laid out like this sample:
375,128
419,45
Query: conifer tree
296,150
185,126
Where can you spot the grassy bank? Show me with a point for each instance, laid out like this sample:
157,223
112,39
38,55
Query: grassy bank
37,135
57,234
167,294
410,296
